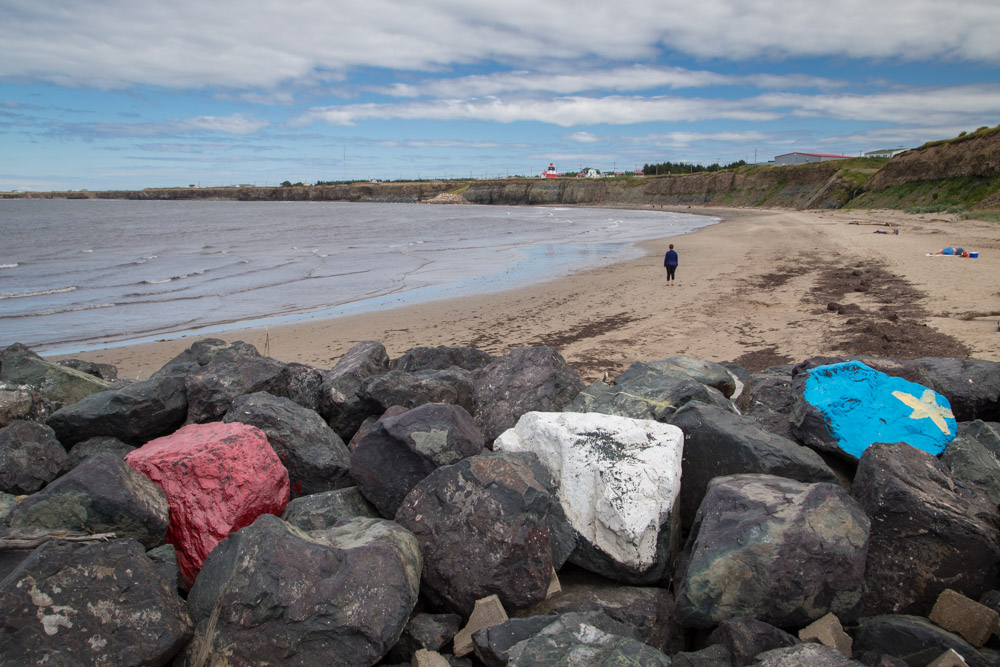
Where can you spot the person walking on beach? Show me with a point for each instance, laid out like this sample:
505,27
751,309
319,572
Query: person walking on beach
670,261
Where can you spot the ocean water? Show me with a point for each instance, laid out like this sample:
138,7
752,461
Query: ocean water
82,274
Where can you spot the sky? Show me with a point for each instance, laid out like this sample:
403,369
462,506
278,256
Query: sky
130,94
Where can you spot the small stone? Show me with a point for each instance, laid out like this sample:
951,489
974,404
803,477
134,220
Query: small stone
949,658
488,612
555,588
425,658
829,632
957,613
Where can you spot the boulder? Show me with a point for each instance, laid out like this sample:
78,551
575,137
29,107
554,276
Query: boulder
58,384
775,549
340,403
573,641
528,379
300,383
441,358
488,524
771,404
134,414
647,610
30,457
971,385
201,353
316,458
400,451
927,533
715,655
97,445
218,478
743,392
102,371
814,655
429,632
212,388
7,502
410,389
704,372
745,637
90,604
913,639
101,495
844,408
717,443
22,402
323,510
973,458
369,422
493,644
618,481
278,595
164,558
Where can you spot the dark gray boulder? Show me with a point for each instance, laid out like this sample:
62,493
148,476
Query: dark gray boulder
400,451
431,632
201,353
441,358
814,655
771,404
96,445
212,388
715,655
927,534
30,457
717,443
644,391
527,379
573,639
913,639
774,549
102,371
101,495
90,604
487,524
743,393
22,402
493,645
300,383
340,403
972,386
164,558
323,510
647,610
744,637
973,458
704,372
410,389
369,422
58,384
285,596
7,502
316,458
135,414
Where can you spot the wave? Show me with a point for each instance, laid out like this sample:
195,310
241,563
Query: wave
10,266
59,311
43,292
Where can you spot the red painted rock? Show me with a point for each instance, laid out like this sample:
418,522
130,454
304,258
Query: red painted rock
218,478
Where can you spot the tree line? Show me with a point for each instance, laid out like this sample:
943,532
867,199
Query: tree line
663,168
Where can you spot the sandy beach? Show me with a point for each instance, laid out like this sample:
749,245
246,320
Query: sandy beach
762,287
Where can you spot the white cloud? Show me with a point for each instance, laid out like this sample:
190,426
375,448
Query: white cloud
583,138
256,43
237,124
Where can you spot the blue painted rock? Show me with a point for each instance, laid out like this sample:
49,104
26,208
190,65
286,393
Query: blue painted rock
843,408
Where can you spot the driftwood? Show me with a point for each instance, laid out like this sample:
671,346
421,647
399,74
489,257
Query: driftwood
29,538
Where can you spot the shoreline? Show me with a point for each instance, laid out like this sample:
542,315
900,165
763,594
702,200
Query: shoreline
755,288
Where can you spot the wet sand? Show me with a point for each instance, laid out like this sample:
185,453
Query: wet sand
763,287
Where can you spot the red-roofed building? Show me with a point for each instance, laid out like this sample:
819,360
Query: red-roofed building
550,172
803,158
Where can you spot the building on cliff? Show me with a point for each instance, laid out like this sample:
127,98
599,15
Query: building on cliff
550,172
804,158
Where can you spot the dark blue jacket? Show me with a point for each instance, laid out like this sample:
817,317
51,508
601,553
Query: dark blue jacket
670,259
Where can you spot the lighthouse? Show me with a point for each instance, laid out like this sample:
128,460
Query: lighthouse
550,172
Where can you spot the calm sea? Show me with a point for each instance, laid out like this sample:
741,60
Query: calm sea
81,274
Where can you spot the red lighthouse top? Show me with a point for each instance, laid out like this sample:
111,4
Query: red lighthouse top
550,172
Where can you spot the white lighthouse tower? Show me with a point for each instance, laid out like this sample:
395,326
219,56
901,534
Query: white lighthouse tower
550,172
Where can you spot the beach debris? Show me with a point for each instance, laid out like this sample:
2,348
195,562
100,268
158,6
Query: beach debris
718,442
844,408
101,495
412,445
929,531
488,524
90,603
525,380
957,613
618,480
30,457
316,458
761,546
218,478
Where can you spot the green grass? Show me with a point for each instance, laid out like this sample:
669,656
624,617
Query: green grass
987,216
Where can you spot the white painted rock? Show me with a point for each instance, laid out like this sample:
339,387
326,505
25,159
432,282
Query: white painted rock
618,478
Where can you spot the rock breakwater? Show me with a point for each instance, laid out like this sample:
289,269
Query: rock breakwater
685,513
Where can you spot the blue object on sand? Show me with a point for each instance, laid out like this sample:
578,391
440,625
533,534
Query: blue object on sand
863,406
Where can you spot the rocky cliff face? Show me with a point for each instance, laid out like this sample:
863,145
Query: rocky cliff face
975,155
356,192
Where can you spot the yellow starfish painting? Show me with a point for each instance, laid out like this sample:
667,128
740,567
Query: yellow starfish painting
926,407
